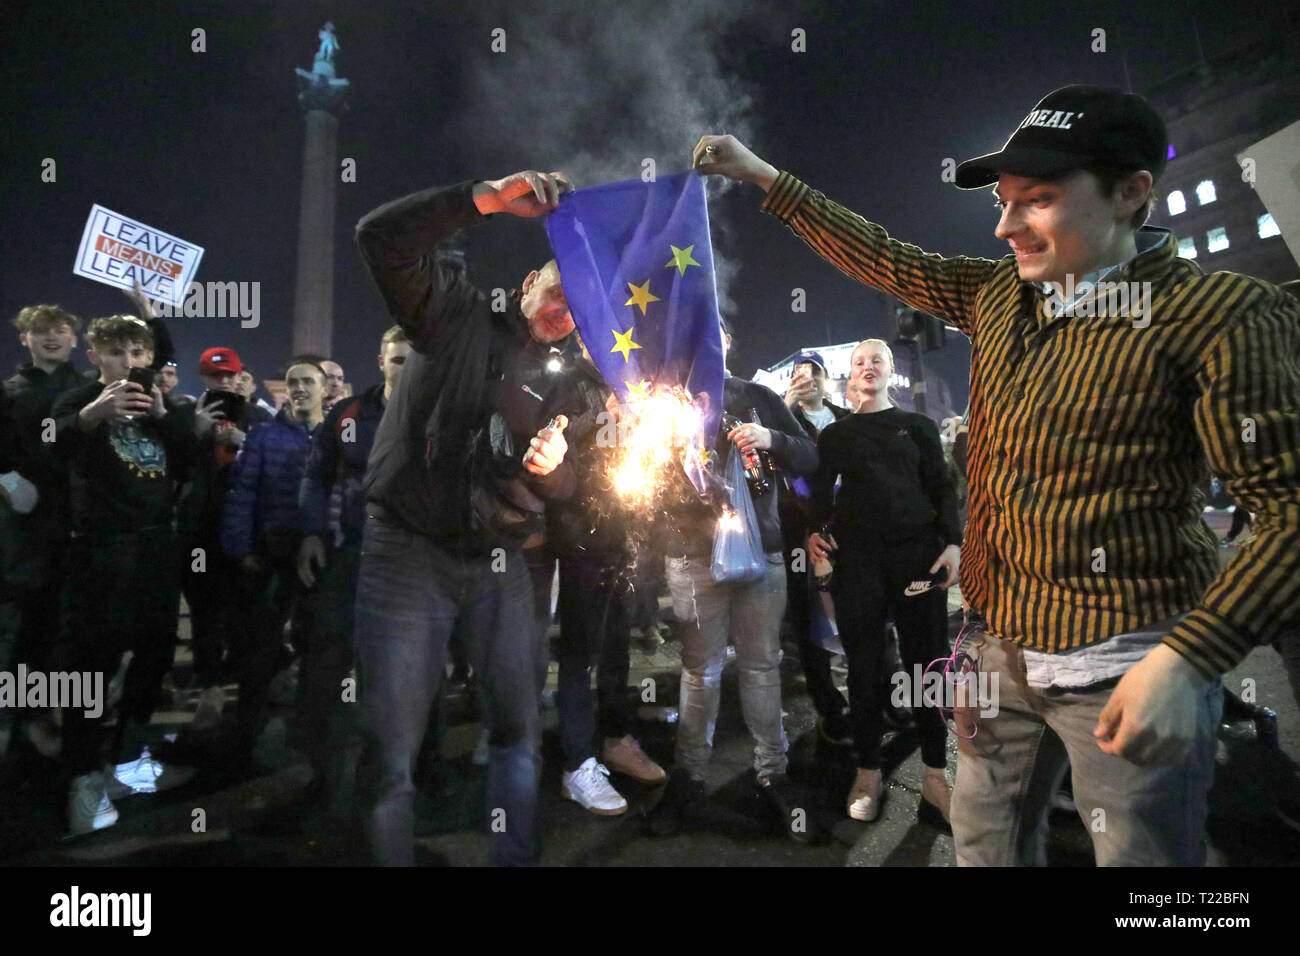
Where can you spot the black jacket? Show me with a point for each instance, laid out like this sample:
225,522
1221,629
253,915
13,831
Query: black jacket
591,521
808,426
336,461
32,393
204,483
447,458
690,521
795,511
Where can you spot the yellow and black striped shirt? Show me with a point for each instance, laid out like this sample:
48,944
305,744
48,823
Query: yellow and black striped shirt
1090,437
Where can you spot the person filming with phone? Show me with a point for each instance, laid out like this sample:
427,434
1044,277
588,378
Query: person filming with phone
222,419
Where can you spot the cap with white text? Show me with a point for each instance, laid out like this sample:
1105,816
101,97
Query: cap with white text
1073,128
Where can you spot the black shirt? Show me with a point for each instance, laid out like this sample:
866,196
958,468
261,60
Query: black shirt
894,482
120,474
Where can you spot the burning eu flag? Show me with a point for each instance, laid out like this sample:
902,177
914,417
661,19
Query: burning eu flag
636,264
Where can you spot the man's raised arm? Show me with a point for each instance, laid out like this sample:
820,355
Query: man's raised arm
427,294
862,250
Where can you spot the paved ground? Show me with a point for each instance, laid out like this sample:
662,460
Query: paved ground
251,817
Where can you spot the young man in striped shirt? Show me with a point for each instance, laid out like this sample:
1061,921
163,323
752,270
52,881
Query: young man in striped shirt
1106,373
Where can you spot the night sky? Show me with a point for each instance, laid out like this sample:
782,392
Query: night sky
208,145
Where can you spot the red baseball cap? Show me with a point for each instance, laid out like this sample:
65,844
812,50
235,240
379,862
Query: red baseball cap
217,360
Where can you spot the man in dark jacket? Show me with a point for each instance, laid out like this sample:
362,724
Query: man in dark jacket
41,537
330,556
462,464
806,399
260,532
746,614
211,584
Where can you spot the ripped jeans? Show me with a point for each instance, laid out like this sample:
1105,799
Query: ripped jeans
749,614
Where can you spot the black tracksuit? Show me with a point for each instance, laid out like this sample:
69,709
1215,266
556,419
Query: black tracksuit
895,512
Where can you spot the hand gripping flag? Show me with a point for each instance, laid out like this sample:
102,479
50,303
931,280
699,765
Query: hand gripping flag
636,264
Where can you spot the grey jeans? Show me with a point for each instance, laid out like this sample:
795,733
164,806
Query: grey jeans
1006,775
749,614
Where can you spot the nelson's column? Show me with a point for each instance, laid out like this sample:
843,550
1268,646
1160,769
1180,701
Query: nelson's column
323,96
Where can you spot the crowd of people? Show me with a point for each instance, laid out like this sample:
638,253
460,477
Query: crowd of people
376,534
122,494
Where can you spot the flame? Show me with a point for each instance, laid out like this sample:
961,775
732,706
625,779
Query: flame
729,520
655,426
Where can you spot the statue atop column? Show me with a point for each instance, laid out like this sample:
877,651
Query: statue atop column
322,89
329,44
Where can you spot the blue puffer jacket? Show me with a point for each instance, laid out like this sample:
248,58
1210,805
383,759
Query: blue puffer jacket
260,512
339,450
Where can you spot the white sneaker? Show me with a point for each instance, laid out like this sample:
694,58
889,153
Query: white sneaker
208,714
89,808
588,787
146,775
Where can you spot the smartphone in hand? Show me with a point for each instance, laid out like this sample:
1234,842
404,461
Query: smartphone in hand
230,403
144,377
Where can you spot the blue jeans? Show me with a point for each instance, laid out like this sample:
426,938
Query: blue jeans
748,615
1006,775
410,596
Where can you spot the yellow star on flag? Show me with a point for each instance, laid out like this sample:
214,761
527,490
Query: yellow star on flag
623,343
681,259
641,295
638,390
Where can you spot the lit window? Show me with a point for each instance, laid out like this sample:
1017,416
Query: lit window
1267,227
1176,202
1187,247
1205,192
1216,240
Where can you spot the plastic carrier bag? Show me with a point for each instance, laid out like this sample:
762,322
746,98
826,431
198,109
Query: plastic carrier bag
737,543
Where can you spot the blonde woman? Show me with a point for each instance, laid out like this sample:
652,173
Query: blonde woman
894,521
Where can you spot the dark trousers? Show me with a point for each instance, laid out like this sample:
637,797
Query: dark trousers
816,660
210,587
29,633
410,595
641,599
593,629
324,642
38,629
867,586
122,593
267,601
799,597
540,562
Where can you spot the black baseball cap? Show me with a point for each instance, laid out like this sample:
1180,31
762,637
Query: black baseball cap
1074,127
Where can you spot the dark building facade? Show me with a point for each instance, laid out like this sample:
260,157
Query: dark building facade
1215,110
